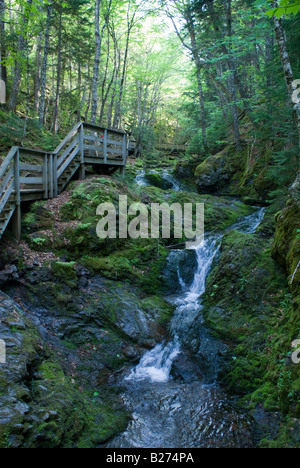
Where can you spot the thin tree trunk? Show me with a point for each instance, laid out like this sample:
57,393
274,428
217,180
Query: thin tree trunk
117,116
3,71
269,59
99,38
104,93
44,68
130,24
229,60
114,91
59,68
292,87
195,50
37,78
21,56
195,53
231,82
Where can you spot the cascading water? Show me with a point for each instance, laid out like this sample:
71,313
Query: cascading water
172,413
141,179
157,363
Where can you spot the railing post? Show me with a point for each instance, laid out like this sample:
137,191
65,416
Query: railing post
50,172
45,176
16,220
81,150
124,154
55,184
105,146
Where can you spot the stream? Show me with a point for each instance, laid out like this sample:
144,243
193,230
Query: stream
175,185
187,410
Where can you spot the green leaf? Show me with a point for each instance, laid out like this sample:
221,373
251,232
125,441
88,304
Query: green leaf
293,10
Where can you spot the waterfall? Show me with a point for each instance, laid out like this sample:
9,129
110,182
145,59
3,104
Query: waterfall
156,364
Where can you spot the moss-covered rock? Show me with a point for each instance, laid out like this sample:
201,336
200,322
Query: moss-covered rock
249,307
38,218
213,174
158,180
41,406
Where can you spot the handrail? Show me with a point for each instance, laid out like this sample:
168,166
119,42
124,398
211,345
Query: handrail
90,126
19,180
8,160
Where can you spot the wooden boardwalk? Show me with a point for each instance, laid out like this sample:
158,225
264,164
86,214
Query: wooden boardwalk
28,175
168,147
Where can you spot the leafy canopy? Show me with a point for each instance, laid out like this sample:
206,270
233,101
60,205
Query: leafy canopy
283,8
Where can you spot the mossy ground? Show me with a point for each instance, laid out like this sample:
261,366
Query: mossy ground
248,302
249,305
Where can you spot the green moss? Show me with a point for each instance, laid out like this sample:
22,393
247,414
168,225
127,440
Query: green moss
245,271
164,309
286,247
111,267
64,270
158,181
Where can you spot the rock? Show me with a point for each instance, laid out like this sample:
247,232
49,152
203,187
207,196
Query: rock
213,174
157,180
179,271
38,218
267,423
185,170
10,273
185,369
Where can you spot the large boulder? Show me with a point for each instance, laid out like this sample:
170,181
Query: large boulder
158,180
213,174
184,170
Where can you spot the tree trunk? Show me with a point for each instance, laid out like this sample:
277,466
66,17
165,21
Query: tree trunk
58,75
96,63
292,87
99,38
231,82
44,68
195,51
117,116
3,71
21,57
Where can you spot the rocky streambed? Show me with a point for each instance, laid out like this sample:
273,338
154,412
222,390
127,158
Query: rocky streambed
131,344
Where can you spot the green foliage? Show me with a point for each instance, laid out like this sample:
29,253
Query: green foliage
285,7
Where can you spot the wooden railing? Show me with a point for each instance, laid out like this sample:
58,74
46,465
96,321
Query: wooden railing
28,174
170,147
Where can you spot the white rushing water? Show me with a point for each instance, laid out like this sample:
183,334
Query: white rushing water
156,364
174,413
141,179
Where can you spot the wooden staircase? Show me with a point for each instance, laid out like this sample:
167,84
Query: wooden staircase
28,175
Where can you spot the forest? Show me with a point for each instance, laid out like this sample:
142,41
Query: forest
140,343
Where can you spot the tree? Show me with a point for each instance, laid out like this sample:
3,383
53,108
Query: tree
21,53
278,10
185,9
99,38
